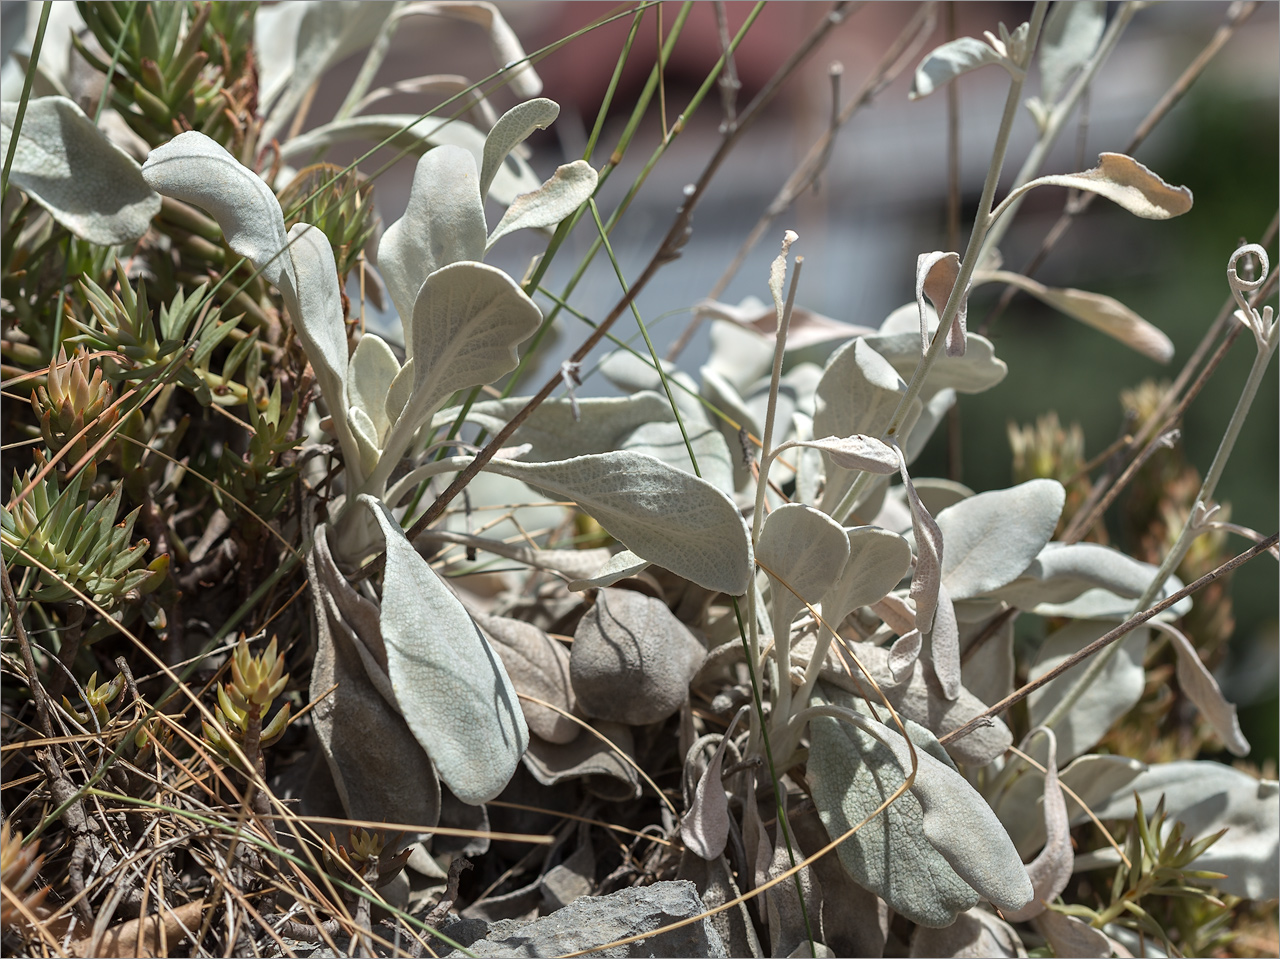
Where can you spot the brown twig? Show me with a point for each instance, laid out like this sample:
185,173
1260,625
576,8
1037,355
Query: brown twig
1109,638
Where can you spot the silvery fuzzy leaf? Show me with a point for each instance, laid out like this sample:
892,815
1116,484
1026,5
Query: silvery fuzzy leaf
370,372
632,660
858,393
568,188
945,63
663,440
503,41
705,826
944,645
450,685
632,373
992,537
855,452
537,666
1070,35
805,329
789,923
988,672
721,394
1094,309
936,275
620,566
1208,796
399,391
367,440
467,320
926,578
1126,182
512,129
379,769
1113,694
878,559
976,934
739,355
662,514
939,494
588,758
415,135
297,48
958,823
1051,870
1070,936
1064,571
976,371
1199,686
442,224
904,653
851,773
920,699
86,182
196,169
554,433
802,550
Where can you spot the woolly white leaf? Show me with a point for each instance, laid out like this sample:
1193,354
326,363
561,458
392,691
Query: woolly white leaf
503,41
1126,182
976,934
977,370
512,129
927,577
854,452
992,537
415,135
538,666
1199,686
371,370
1050,871
569,188
1115,691
620,566
196,169
806,328
442,224
878,559
1070,35
936,275
944,645
666,516
1101,312
86,182
904,653
705,827
951,60
802,550
1070,936
449,684
1064,571
662,439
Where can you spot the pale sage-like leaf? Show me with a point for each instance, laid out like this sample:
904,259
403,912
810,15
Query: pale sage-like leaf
569,187
987,671
1126,182
992,537
620,566
415,135
506,47
976,934
927,577
806,328
705,826
1199,686
450,685
1051,870
851,773
904,653
467,321
538,666
367,439
1207,796
632,660
953,59
936,275
898,341
878,559
664,440
590,759
566,562
958,823
1064,571
1103,313
1070,35
802,550
196,169
1070,936
442,224
738,354
379,769
513,128
86,182
944,645
1113,694
662,514
372,368
853,452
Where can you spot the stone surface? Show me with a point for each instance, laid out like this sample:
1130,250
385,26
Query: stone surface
591,921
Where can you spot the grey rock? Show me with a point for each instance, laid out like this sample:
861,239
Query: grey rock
590,921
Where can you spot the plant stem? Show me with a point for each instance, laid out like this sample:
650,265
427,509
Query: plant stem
16,131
